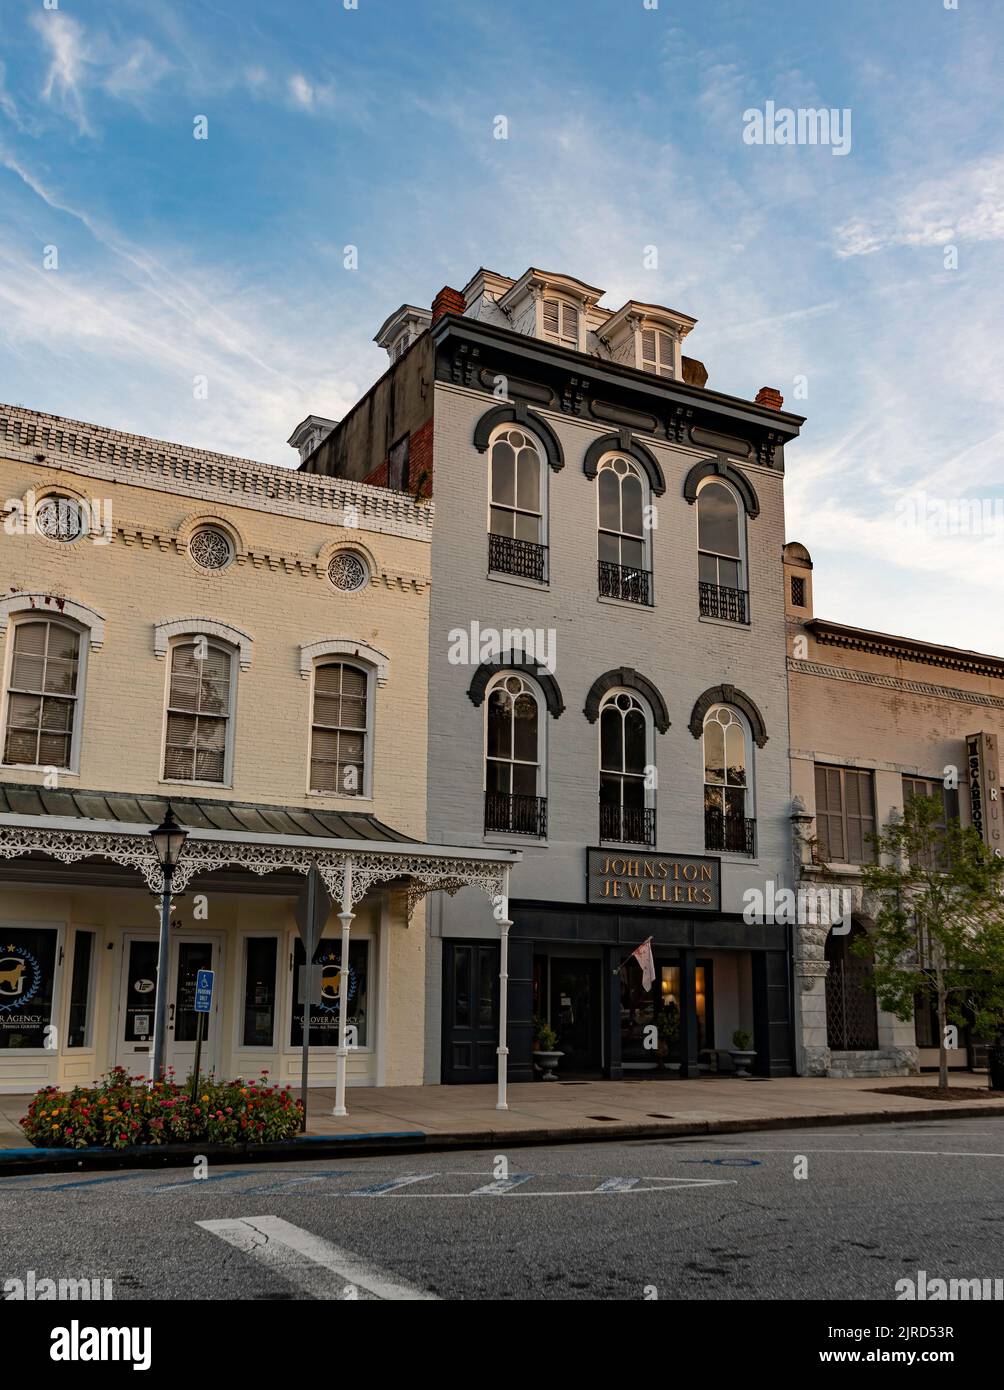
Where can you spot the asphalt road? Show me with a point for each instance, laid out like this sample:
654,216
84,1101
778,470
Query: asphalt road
679,1219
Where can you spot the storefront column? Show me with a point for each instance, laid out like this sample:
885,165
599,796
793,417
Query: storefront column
345,917
502,913
612,982
688,1014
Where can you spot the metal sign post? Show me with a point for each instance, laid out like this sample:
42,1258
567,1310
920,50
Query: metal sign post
312,910
203,1005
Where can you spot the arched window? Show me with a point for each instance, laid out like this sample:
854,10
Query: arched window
721,544
514,799
199,739
622,496
43,704
728,782
627,805
340,730
517,522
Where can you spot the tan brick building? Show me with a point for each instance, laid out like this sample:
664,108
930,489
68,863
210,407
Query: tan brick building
875,719
250,644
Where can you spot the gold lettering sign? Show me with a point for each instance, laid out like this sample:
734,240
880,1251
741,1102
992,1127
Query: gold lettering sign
672,882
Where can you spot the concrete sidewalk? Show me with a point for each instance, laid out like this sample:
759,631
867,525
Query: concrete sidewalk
450,1116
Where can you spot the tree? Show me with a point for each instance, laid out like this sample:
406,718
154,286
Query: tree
939,927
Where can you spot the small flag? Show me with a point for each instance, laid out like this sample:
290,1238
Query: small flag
643,955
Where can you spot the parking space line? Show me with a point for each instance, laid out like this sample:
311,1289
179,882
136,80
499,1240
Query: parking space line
314,1265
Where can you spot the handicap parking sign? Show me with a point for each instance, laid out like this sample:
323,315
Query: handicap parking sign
204,991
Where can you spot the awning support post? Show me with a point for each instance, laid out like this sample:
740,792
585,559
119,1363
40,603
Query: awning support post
345,917
502,916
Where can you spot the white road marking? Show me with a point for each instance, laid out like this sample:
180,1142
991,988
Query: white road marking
319,1268
502,1184
391,1185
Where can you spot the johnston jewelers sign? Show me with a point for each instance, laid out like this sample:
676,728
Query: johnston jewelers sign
675,882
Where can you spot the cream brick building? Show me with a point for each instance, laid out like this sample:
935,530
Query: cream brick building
874,720
250,644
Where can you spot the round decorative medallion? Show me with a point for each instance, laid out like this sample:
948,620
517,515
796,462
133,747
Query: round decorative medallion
60,518
347,571
210,549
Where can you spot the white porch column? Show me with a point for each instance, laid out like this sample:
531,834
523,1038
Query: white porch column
502,915
345,917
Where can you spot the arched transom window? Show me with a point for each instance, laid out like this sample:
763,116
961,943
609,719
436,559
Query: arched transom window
42,695
720,541
339,730
727,781
623,536
627,809
513,762
516,522
199,713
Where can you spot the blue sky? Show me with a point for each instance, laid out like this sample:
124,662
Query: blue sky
374,127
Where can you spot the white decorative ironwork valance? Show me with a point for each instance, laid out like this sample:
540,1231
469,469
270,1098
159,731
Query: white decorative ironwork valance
425,871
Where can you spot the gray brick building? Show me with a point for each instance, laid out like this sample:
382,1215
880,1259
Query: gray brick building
607,685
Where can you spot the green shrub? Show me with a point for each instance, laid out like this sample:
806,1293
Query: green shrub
121,1111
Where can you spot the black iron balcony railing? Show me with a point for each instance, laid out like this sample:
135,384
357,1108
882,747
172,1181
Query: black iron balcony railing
732,834
717,601
633,825
526,559
516,815
625,582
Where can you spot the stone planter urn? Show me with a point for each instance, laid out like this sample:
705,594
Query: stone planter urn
547,1062
741,1060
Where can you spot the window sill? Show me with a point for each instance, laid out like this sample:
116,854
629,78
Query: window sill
723,622
500,577
499,837
40,768
334,796
214,786
626,603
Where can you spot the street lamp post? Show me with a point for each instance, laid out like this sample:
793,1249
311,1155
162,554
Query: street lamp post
169,840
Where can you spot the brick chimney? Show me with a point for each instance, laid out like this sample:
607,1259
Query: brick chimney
771,398
447,301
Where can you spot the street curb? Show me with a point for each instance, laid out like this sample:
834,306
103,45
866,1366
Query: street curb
15,1162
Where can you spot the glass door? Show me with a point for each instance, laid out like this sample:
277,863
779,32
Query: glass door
138,990
189,955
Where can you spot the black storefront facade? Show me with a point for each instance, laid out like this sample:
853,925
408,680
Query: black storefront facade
570,966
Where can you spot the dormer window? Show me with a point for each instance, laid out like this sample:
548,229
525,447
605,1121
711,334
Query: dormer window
401,346
561,323
657,353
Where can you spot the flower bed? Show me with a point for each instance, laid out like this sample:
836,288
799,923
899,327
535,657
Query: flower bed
121,1111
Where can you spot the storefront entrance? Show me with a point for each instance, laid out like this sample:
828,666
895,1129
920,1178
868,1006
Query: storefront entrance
576,1013
190,953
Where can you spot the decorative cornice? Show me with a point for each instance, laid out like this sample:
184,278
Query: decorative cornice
904,648
201,627
54,605
344,646
938,692
94,451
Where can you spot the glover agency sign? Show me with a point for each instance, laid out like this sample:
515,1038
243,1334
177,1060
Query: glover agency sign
680,882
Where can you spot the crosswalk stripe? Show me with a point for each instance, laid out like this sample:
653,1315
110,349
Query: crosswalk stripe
314,1265
503,1184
